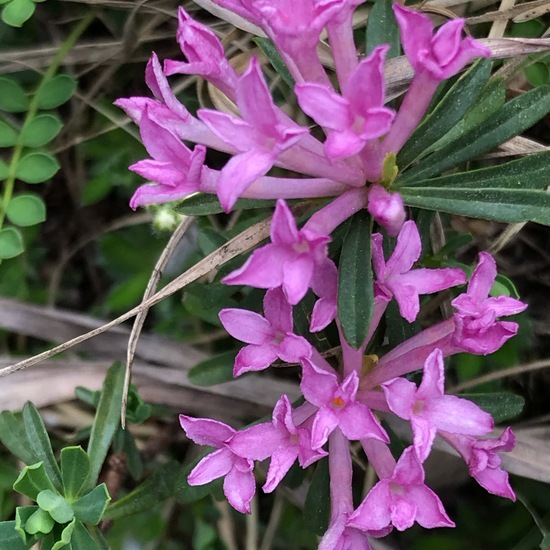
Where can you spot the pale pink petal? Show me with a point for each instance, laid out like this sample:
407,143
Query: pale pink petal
326,421
373,514
205,431
230,129
456,415
283,225
156,194
446,41
424,433
293,348
416,31
280,464
343,144
254,358
400,395
483,277
212,466
433,376
427,281
297,274
239,488
429,509
323,313
327,108
257,442
357,422
277,310
387,209
318,386
406,297
245,325
407,250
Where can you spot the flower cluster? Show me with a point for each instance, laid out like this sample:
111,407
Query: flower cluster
342,403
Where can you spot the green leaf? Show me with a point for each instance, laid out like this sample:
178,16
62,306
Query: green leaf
514,117
11,243
8,136
9,537
25,210
81,538
538,74
54,92
448,112
3,170
40,442
382,28
185,493
91,507
32,481
202,204
355,294
162,485
65,537
531,172
106,421
17,12
40,130
40,522
274,58
13,98
501,405
55,505
13,436
22,515
75,467
317,505
214,370
36,167
502,205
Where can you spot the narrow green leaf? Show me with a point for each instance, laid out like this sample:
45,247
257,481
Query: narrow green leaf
25,210
65,538
17,12
54,92
55,505
355,294
202,204
75,467
382,28
81,538
36,167
502,205
13,98
13,436
8,136
162,485
11,243
274,58
317,505
3,170
448,112
91,507
40,442
33,480
10,539
106,421
514,117
214,370
531,172
40,130
183,492
500,405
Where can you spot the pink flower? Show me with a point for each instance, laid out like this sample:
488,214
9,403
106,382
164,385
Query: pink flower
325,285
355,117
387,209
281,440
442,54
477,329
239,484
337,406
290,260
175,168
400,500
260,135
483,460
269,337
396,278
429,410
205,55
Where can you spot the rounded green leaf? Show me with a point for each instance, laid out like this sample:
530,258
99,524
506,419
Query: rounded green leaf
37,167
54,92
25,210
32,481
17,12
55,505
41,130
8,136
91,507
39,522
11,243
214,370
538,74
13,98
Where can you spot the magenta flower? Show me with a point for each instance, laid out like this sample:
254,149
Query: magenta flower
269,338
281,440
477,329
396,278
260,135
483,460
325,285
355,117
337,406
239,484
290,260
442,54
400,500
387,209
205,55
429,410
175,168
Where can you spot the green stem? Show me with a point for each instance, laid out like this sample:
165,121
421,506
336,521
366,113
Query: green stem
33,108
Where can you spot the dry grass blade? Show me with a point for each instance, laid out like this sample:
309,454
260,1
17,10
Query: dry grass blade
513,12
142,315
243,242
232,18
